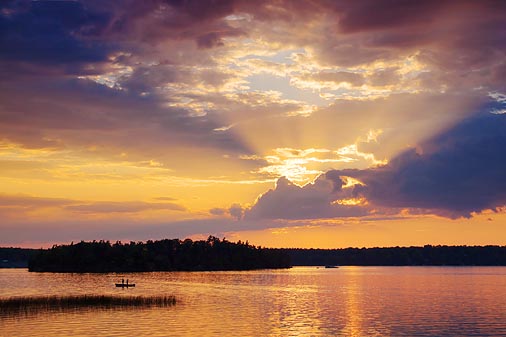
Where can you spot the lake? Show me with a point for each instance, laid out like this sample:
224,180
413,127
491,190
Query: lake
302,301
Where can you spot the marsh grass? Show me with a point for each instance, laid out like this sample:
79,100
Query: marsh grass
41,303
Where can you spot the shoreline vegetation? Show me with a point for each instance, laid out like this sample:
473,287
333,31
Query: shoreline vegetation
216,254
427,255
43,303
212,254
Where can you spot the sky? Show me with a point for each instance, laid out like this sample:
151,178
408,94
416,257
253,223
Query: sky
314,123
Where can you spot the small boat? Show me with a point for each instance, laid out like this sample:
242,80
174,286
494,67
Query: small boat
125,285
331,266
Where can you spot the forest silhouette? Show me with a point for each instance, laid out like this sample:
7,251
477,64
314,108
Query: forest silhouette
216,254
164,255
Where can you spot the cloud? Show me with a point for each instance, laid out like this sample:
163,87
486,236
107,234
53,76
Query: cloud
123,207
341,34
213,39
75,112
339,77
449,38
324,198
218,211
165,198
63,31
235,210
25,202
52,33
375,15
459,172
406,24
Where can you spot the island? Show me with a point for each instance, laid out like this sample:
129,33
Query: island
212,254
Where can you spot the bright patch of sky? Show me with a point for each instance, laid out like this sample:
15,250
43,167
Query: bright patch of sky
267,82
271,82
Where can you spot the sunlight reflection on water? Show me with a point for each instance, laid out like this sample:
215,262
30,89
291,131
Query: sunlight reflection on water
348,301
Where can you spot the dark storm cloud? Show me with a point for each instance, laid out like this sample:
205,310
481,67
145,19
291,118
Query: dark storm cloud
51,32
373,15
88,32
451,37
158,20
45,45
203,10
456,173
209,40
64,31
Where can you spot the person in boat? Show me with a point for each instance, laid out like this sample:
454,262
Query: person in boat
123,281
127,282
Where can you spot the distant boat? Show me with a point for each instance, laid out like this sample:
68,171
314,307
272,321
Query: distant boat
331,266
125,285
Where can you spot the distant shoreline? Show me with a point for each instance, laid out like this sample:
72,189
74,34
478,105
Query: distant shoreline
386,256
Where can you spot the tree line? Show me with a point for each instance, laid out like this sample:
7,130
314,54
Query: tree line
14,257
163,255
427,255
216,254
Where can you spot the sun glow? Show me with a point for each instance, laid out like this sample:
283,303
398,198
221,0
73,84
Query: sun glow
301,166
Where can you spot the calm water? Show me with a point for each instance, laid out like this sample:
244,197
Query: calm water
349,301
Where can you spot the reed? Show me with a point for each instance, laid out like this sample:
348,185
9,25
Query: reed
83,301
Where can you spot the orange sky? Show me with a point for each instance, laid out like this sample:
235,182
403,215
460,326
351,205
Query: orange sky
288,124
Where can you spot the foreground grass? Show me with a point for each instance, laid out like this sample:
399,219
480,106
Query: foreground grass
30,303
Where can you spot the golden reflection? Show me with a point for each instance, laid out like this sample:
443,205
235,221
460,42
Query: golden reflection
296,310
354,319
